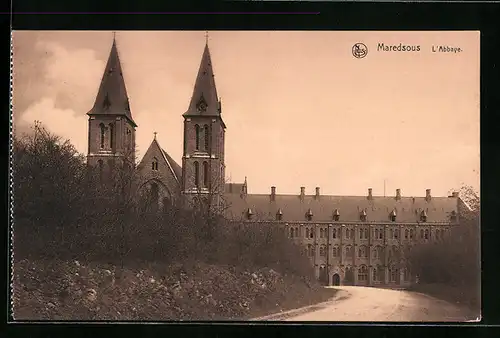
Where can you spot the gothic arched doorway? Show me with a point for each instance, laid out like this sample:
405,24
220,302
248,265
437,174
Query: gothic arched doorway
336,279
323,275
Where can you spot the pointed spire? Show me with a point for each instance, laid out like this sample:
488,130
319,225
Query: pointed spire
204,100
112,96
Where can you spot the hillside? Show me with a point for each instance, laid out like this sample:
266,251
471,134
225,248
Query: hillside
73,290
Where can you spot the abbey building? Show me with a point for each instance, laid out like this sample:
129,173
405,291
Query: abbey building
357,240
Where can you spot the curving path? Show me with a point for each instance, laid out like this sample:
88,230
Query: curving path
354,303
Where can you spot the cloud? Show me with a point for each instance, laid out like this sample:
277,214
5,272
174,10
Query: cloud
70,74
62,122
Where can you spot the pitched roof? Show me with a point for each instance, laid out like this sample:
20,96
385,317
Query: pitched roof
378,209
175,169
204,100
112,96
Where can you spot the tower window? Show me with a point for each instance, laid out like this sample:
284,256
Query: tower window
196,174
103,133
129,139
197,131
154,164
111,136
207,137
205,174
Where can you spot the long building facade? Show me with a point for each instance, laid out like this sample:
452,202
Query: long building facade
356,240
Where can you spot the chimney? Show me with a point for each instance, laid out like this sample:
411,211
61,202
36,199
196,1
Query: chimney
398,194
243,192
454,194
317,193
370,195
273,194
302,193
428,195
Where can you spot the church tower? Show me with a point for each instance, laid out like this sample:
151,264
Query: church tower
111,139
203,169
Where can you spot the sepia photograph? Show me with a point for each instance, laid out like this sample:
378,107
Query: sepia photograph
290,176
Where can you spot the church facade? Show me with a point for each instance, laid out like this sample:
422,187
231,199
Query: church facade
356,240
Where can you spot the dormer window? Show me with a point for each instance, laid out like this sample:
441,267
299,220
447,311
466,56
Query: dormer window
362,216
336,215
309,215
279,215
392,215
423,216
154,164
249,213
453,216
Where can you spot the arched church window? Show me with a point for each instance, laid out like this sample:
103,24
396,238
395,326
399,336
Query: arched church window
103,134
205,174
207,137
111,136
154,164
154,192
197,131
129,139
196,174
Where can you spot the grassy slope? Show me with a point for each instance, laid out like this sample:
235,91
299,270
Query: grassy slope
78,291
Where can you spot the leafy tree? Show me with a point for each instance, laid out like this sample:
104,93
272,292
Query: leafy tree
455,259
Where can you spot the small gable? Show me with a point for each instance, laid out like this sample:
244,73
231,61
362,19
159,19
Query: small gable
158,165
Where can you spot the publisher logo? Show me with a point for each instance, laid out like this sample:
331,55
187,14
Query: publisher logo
359,50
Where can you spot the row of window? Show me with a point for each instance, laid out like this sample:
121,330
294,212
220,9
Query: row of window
198,134
364,233
363,216
378,274
103,129
363,251
111,139
206,175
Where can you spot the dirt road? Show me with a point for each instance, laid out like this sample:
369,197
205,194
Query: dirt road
371,304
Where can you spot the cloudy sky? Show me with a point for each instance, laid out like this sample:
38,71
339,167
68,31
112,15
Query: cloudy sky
300,110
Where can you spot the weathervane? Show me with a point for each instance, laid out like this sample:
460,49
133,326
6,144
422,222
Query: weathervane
206,37
155,134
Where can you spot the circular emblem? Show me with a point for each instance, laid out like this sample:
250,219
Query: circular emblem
359,50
